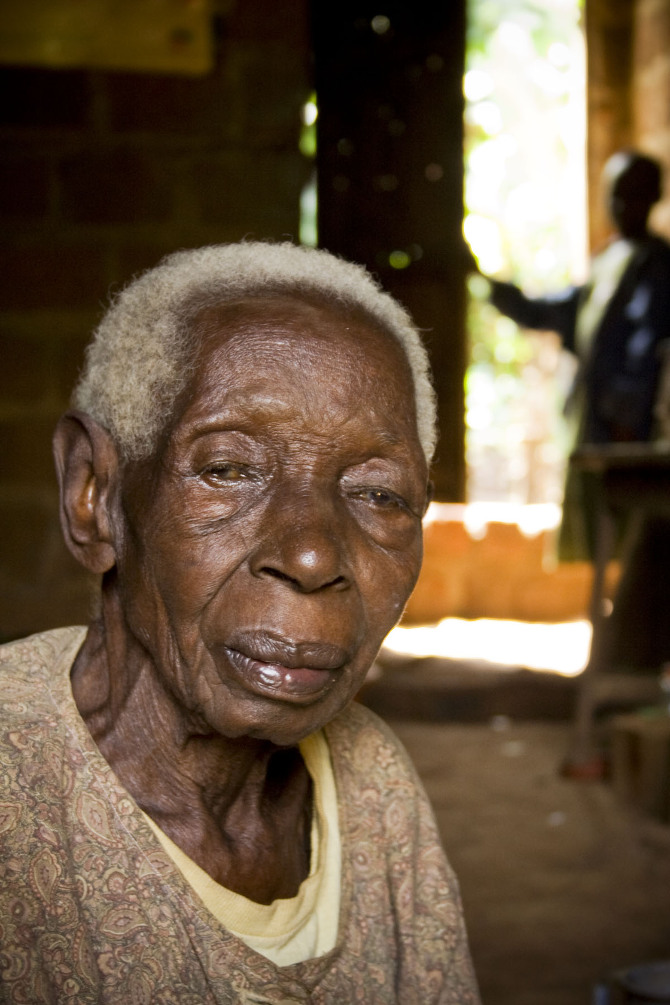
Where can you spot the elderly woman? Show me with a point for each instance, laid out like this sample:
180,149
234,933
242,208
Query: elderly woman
192,810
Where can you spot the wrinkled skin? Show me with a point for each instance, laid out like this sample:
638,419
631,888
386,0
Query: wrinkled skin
251,570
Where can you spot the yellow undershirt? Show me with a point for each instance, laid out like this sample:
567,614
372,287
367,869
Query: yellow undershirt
301,927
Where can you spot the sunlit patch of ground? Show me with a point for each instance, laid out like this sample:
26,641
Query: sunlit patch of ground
558,648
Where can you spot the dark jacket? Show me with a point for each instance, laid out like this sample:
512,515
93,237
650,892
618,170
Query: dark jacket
618,371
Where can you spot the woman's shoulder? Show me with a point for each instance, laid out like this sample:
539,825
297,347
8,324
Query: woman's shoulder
35,696
37,667
365,746
34,727
357,720
41,649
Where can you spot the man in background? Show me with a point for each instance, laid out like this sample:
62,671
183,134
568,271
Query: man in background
616,324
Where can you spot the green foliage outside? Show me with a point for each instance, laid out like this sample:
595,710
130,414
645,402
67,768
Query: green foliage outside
525,211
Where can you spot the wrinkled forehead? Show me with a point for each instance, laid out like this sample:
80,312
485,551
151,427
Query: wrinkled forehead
294,307
289,324
289,345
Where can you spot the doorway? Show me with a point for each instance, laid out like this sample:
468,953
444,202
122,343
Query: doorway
525,220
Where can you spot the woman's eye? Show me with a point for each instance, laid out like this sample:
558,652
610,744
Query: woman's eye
382,498
225,472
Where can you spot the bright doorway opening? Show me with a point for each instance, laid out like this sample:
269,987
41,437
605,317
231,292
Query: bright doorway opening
525,221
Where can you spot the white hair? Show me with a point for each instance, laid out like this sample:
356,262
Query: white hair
140,356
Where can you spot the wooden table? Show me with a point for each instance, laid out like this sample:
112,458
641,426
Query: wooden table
634,480
641,761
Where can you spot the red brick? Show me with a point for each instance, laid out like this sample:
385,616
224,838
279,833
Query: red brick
284,22
137,256
47,99
41,585
652,33
233,106
174,105
260,197
24,189
54,275
68,359
26,525
26,457
25,374
114,186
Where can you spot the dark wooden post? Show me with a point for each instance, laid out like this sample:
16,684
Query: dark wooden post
390,174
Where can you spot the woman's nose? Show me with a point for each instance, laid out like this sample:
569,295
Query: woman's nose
305,550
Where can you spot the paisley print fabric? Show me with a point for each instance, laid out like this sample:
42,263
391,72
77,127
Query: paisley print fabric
92,910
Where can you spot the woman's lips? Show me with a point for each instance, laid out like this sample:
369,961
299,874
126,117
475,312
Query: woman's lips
284,669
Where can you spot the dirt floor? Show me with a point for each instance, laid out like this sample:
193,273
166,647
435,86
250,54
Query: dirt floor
561,882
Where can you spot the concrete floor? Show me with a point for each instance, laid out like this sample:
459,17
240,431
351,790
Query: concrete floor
561,883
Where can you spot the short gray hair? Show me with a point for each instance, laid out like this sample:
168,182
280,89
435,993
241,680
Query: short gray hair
139,358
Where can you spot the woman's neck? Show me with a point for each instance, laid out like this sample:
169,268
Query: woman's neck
240,808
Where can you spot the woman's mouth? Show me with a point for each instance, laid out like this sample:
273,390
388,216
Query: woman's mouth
286,670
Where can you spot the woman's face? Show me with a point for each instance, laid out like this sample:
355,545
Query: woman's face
274,539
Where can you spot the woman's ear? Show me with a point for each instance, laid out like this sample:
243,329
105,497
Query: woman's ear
87,467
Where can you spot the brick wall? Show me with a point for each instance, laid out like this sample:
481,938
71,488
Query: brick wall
651,91
609,33
628,94
501,571
100,175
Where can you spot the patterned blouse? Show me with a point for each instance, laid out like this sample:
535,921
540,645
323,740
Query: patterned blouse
92,910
